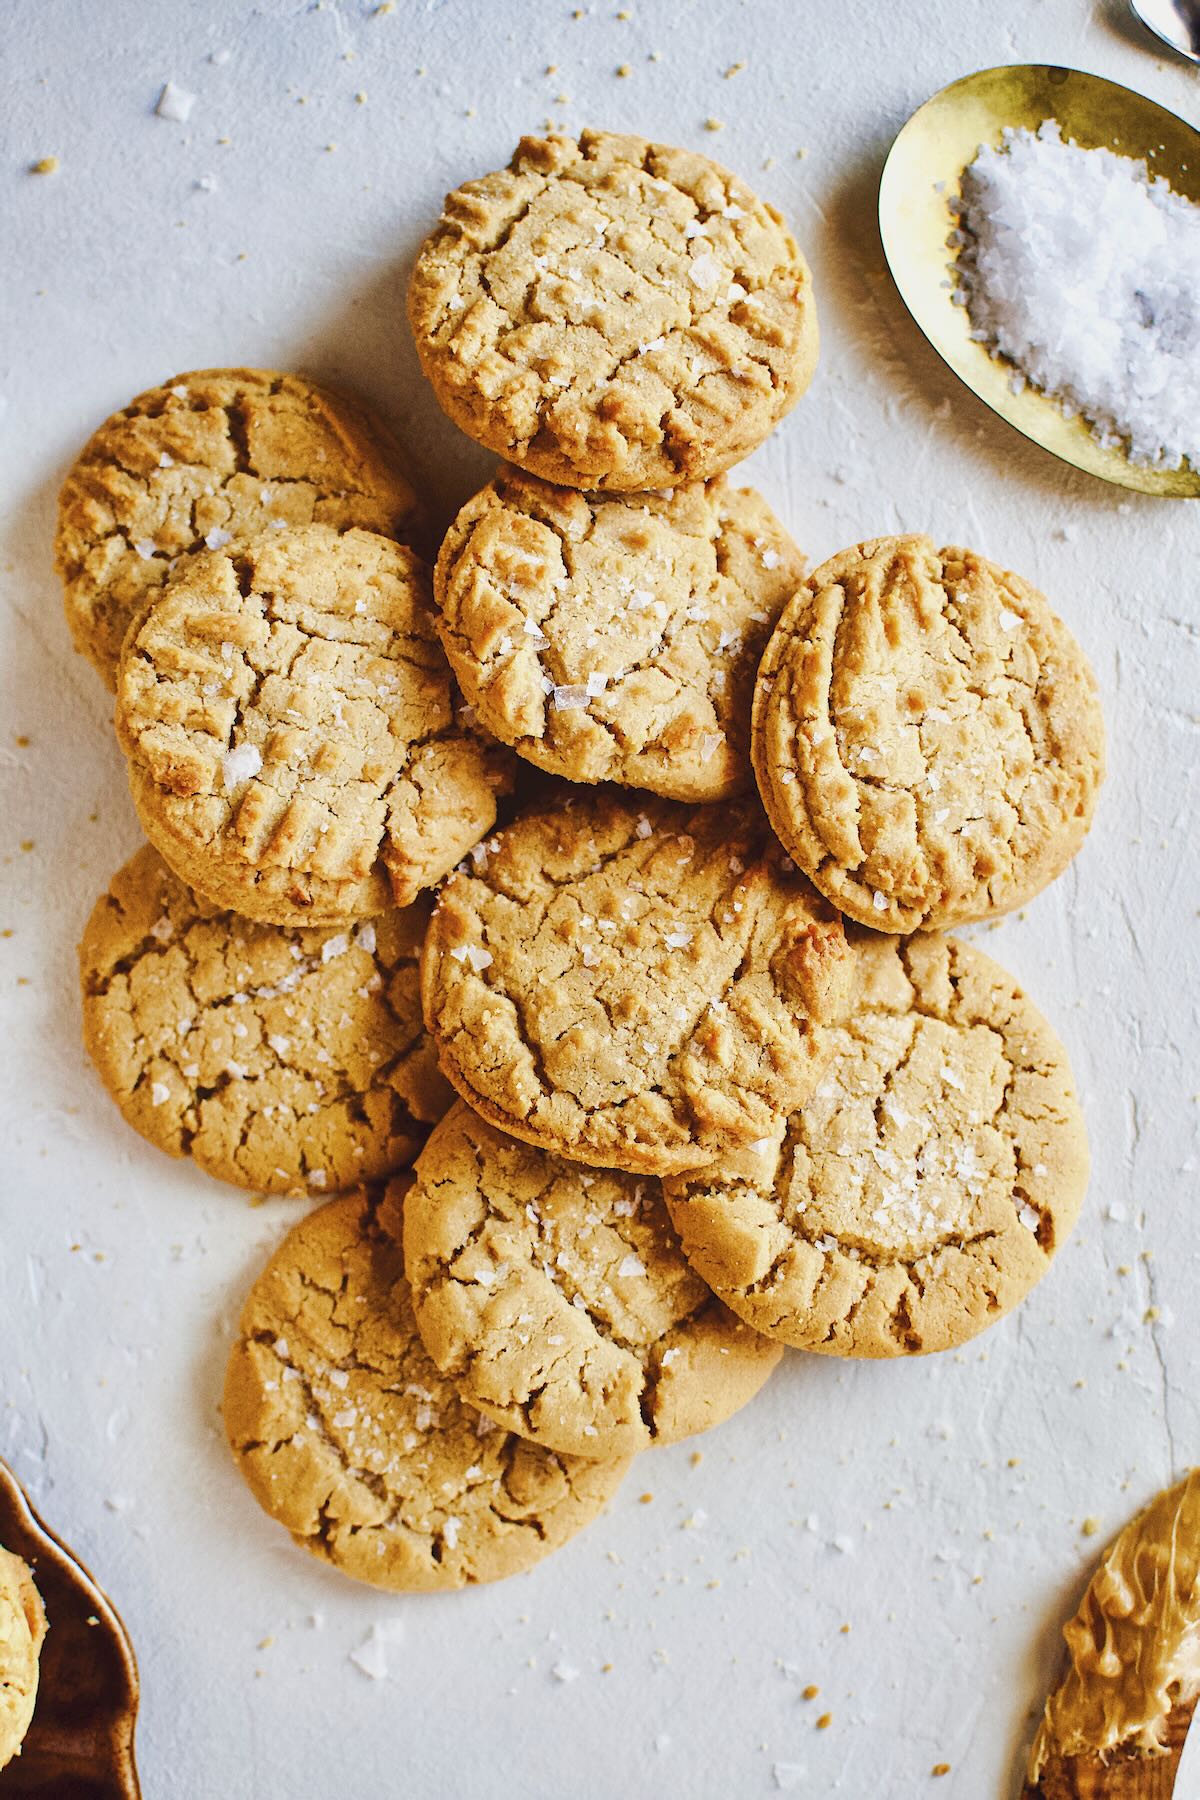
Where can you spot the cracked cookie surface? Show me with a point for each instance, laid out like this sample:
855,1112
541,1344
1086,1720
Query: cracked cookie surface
637,986
286,1061
612,313
616,637
214,454
22,1629
288,716
926,735
559,1300
349,1436
925,1187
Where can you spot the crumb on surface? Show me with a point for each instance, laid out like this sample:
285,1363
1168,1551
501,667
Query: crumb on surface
45,165
711,124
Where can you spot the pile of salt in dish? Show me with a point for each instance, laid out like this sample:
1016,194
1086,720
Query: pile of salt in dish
1082,269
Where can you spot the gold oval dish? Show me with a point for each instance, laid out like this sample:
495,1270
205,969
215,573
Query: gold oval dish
922,176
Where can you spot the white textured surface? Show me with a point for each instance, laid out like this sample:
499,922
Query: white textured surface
935,1508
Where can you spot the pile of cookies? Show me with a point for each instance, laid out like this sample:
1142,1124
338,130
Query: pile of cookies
674,1066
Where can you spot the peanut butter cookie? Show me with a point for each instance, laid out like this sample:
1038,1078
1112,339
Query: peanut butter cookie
348,1435
639,987
559,1300
22,1628
613,313
211,455
287,713
284,1061
927,1184
927,737
616,637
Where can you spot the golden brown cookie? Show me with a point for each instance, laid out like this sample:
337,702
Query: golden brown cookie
613,313
559,1300
636,986
927,1184
348,1435
22,1628
287,712
215,454
616,637
284,1061
927,737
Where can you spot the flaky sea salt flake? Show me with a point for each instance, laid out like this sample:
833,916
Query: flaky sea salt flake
475,954
705,272
239,764
175,103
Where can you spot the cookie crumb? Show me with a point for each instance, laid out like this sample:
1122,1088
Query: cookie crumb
734,69
711,124
623,70
940,1769
1090,1526
810,1692
45,165
825,1721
